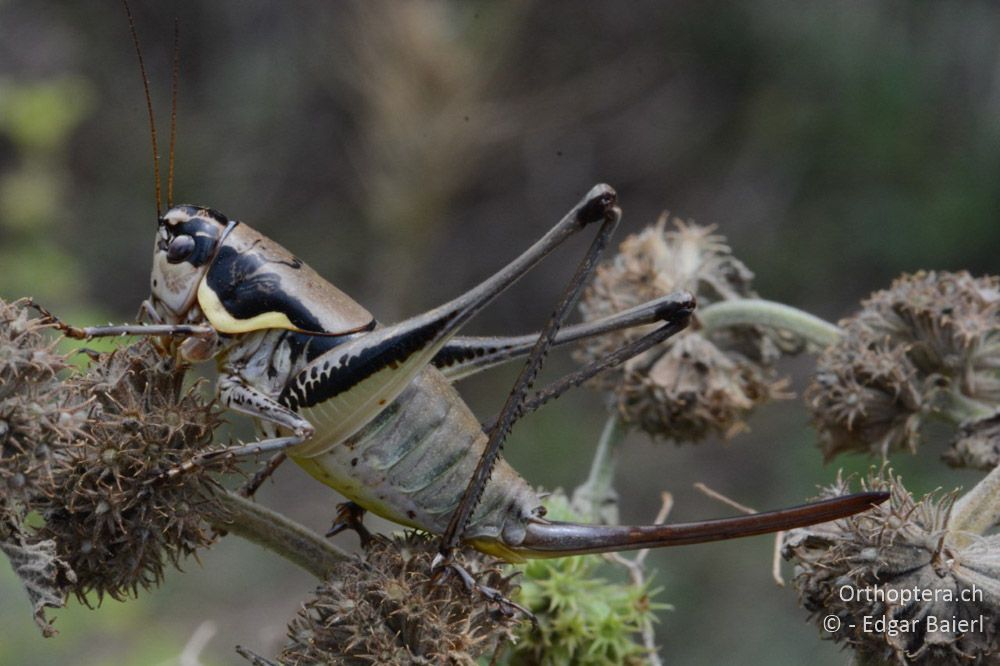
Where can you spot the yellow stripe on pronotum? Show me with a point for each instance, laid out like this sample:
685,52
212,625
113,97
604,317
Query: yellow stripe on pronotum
224,322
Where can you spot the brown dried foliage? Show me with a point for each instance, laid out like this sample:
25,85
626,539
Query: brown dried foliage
388,609
695,383
901,546
116,519
928,345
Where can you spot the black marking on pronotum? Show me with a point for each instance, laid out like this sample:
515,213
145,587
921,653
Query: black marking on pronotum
306,390
246,291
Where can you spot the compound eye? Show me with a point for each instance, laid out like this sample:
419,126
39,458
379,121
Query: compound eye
180,248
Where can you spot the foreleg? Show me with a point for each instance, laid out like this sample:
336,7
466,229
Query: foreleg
235,395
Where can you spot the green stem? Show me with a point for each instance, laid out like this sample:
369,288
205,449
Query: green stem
596,498
760,312
977,510
292,541
955,408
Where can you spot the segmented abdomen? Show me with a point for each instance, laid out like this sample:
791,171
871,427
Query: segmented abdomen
412,463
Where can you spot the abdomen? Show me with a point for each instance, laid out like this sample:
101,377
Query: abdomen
412,463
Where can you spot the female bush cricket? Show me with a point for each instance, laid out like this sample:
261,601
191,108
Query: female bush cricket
370,411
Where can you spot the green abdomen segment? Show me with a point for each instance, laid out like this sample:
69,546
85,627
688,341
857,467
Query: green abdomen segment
412,463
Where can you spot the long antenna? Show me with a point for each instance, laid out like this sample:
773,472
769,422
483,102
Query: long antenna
149,103
174,82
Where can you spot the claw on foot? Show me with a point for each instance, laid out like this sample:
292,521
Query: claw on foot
350,516
177,470
66,329
445,566
198,461
263,474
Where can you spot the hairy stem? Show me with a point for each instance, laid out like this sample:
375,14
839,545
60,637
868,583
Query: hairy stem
760,312
955,408
292,541
977,510
596,498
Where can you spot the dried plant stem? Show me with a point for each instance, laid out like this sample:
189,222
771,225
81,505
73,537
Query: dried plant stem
596,497
637,573
778,536
760,312
779,539
728,501
289,539
976,511
193,649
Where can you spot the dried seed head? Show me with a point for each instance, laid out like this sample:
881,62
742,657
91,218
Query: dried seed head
950,323
36,415
927,345
115,520
890,576
37,419
694,388
386,609
26,354
977,445
696,382
866,395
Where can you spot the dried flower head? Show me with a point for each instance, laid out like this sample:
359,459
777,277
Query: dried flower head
930,344
115,519
696,382
900,582
387,609
950,323
977,445
37,419
36,415
582,618
866,394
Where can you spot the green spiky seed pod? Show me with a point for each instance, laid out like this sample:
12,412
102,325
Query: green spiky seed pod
582,618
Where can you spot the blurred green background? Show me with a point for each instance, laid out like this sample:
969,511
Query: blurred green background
406,150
